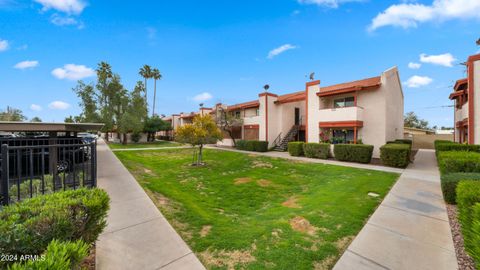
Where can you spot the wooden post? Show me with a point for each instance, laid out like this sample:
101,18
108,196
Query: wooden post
354,135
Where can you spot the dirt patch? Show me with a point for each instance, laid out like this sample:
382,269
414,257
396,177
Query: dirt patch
261,164
228,259
343,243
205,230
300,224
264,182
242,180
276,233
325,264
292,202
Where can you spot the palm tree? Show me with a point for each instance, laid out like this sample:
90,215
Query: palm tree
156,75
146,73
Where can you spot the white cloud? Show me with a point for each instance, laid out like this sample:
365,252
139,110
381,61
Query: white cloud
408,15
413,65
3,45
73,72
203,97
26,64
418,81
65,21
327,3
58,105
445,59
66,6
35,107
280,50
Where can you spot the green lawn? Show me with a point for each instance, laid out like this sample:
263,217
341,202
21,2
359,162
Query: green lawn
143,145
250,212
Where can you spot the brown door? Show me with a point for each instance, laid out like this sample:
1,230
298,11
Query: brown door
251,134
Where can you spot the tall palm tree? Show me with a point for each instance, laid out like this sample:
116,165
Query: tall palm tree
156,75
146,73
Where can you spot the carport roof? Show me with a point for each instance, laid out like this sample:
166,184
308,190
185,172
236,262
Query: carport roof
48,127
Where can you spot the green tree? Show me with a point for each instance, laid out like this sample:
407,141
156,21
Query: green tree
88,102
411,120
36,119
153,125
202,131
146,73
12,114
156,75
104,77
133,117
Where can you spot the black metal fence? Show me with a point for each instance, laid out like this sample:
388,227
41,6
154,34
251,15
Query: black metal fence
35,166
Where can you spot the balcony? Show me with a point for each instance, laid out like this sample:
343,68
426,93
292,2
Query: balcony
252,120
465,111
341,114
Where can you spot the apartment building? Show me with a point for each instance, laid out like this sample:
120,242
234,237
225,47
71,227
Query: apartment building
368,111
466,93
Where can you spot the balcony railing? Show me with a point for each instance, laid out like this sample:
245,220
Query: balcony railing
342,114
252,120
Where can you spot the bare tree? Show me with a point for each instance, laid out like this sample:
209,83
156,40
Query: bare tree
227,122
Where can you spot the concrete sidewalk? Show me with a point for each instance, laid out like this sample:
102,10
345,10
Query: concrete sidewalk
137,235
286,155
410,229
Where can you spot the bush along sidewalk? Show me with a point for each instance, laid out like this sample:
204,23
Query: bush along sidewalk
295,148
361,153
28,227
395,155
316,150
250,145
450,182
458,161
468,200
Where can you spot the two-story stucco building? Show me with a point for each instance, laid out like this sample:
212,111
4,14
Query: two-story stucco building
465,95
368,111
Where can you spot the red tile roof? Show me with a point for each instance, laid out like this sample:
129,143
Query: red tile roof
292,97
244,105
365,84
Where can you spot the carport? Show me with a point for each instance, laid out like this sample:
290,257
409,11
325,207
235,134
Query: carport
39,158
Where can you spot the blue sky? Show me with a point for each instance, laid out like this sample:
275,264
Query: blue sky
225,51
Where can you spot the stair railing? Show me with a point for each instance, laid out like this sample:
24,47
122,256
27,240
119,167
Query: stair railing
277,140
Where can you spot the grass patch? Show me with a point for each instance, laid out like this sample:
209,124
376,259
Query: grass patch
236,214
143,145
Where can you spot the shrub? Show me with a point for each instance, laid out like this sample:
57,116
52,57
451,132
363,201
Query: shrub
395,155
404,141
250,145
261,146
29,226
316,150
361,153
457,147
136,137
439,142
450,181
295,148
241,144
59,255
453,161
468,200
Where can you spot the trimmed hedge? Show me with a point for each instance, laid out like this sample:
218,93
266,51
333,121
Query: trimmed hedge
404,141
456,161
442,147
450,181
361,153
316,150
257,146
468,200
240,144
295,148
59,255
29,226
395,155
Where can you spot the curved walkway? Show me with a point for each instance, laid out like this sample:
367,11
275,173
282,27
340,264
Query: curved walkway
137,235
410,228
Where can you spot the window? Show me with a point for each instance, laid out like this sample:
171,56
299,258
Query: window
344,102
342,136
237,114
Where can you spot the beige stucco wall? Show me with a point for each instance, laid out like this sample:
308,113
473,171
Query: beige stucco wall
381,111
476,103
